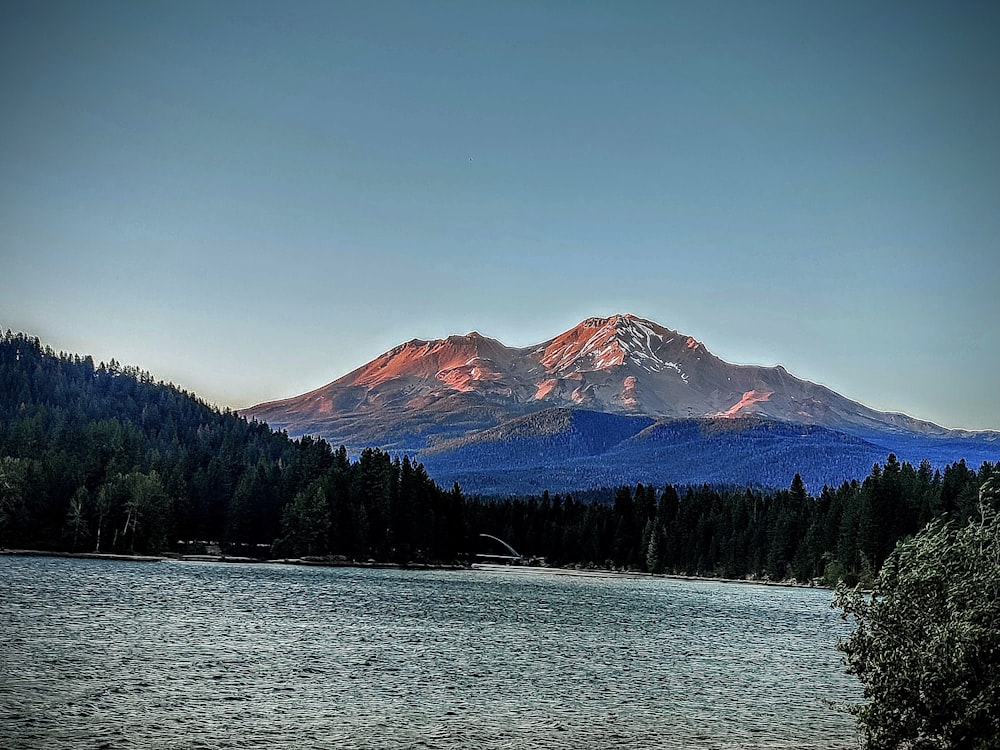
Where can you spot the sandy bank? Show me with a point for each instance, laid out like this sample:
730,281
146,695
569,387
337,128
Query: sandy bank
606,573
337,563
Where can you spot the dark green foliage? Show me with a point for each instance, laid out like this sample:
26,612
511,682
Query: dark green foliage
305,524
927,646
779,535
133,507
104,458
103,455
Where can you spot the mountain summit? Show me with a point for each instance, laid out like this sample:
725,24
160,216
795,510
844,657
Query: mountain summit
422,392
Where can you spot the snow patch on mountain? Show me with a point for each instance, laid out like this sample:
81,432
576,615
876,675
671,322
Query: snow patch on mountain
545,387
628,397
603,343
749,399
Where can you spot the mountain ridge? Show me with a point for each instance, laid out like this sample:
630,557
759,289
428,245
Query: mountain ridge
619,364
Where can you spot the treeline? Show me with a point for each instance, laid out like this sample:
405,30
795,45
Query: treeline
843,533
102,457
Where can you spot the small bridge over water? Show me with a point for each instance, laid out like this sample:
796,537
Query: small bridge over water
512,559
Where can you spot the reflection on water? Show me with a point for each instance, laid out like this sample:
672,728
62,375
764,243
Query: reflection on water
103,654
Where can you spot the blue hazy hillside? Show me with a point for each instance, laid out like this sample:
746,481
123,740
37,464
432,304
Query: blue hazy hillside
545,438
565,450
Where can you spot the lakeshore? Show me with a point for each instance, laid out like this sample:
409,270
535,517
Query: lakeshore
341,563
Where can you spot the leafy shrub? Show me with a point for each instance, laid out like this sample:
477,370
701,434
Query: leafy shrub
927,642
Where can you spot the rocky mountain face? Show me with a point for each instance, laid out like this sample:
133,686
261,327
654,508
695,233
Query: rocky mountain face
424,391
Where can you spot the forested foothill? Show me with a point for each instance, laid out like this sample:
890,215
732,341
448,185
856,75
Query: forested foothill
100,457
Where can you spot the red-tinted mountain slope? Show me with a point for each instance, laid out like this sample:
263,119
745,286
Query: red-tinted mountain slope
424,390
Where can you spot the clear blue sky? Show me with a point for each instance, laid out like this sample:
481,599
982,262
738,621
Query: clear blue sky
251,199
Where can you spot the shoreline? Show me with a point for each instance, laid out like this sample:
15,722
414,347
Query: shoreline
609,573
82,555
322,563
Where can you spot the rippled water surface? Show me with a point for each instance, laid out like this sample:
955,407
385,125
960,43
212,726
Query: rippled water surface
104,654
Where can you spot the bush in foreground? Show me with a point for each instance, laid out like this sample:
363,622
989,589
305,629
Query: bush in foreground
927,642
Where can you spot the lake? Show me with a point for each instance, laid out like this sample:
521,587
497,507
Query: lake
112,655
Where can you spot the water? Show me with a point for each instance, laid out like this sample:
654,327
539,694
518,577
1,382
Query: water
116,655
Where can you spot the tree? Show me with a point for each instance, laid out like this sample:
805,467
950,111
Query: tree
306,523
654,551
140,503
927,647
148,508
13,480
76,517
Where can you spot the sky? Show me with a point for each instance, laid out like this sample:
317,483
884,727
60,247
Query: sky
251,199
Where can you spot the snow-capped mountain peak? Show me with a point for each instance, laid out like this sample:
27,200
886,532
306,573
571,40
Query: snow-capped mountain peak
621,364
604,343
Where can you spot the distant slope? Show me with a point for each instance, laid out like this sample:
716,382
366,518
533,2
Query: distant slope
564,450
543,438
600,450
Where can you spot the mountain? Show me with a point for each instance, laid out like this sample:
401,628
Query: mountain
454,400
